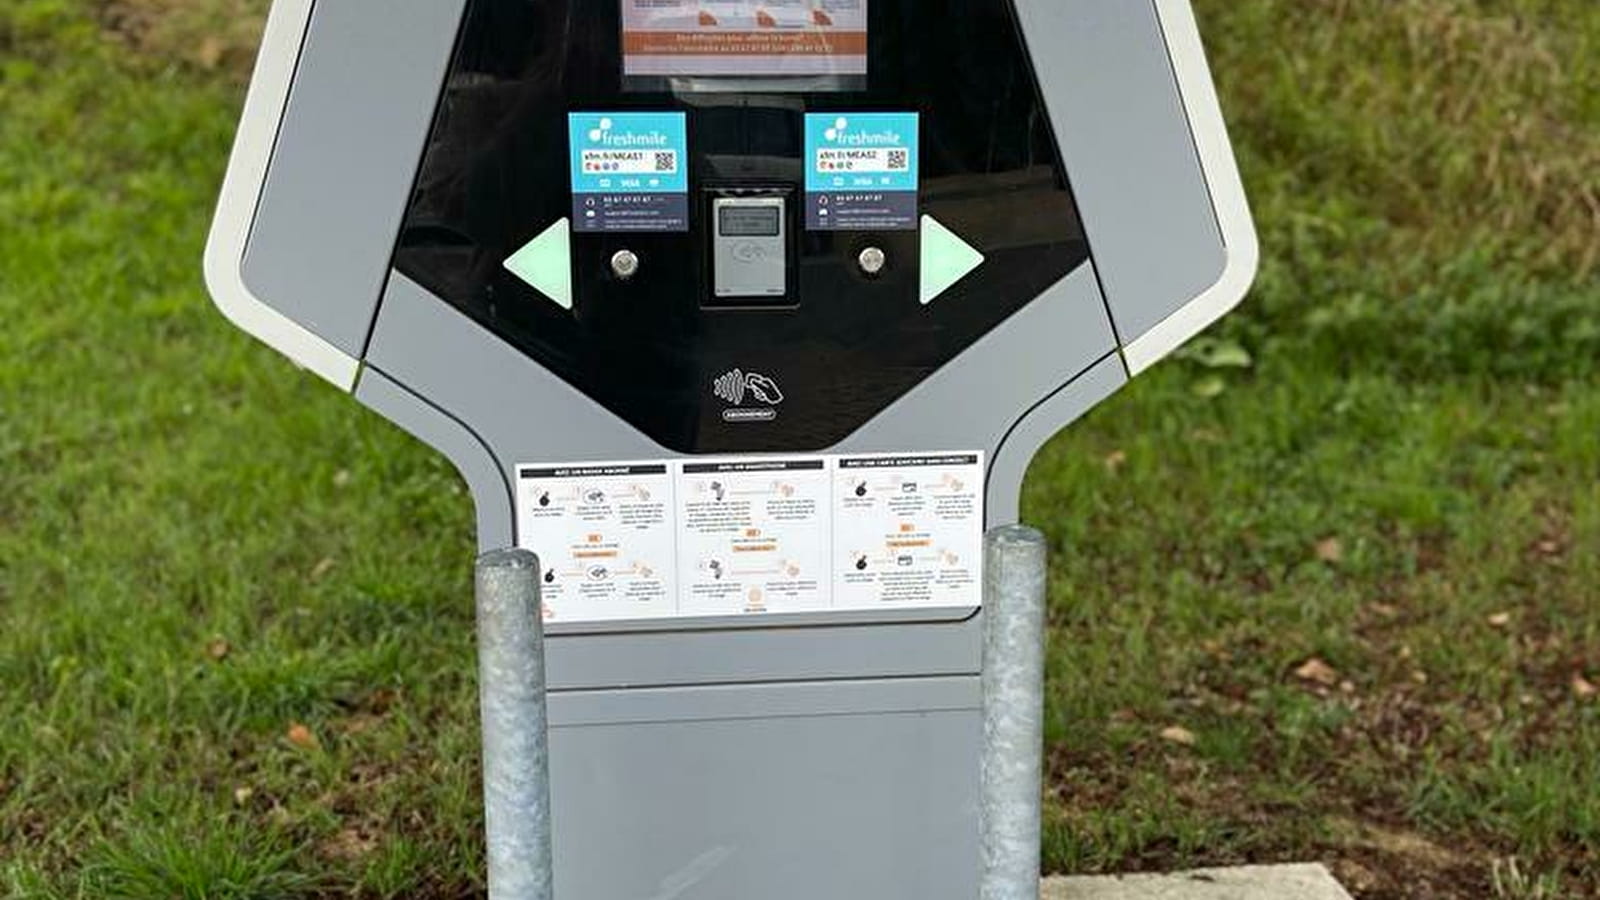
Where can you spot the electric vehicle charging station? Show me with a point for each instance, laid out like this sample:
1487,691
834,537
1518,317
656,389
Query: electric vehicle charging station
748,318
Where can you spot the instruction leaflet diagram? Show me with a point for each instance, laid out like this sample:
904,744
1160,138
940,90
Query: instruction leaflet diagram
754,536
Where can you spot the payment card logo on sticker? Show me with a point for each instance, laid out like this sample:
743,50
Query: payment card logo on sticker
862,171
629,171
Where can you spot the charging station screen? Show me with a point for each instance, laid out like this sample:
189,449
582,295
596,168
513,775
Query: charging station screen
740,221
744,38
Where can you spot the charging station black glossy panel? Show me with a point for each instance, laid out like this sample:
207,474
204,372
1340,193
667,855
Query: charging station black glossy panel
844,339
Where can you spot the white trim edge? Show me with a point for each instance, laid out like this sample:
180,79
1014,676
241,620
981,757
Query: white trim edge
1221,170
241,190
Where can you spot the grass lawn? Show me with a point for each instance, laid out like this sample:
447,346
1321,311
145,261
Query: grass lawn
1324,588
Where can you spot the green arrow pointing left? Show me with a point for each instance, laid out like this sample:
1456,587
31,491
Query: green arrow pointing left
546,263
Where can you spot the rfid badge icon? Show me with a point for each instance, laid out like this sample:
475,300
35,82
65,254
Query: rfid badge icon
737,385
753,397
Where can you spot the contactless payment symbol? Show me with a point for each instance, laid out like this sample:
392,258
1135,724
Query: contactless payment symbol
862,171
629,171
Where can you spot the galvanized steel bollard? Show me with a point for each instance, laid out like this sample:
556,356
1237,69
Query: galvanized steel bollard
516,748
1013,711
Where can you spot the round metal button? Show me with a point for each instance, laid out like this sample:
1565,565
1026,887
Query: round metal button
872,260
625,264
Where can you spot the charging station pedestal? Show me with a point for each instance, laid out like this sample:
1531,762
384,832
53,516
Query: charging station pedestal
748,318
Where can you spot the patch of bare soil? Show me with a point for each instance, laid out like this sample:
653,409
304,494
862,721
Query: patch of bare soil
205,34
1377,862
1360,820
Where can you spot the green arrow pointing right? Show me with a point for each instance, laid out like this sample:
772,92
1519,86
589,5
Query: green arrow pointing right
946,259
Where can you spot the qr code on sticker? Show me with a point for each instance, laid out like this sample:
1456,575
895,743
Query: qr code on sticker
898,159
667,161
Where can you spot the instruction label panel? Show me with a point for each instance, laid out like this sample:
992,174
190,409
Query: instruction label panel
754,536
904,529
630,171
862,171
605,539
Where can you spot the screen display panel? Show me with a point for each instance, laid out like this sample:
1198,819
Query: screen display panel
750,221
705,44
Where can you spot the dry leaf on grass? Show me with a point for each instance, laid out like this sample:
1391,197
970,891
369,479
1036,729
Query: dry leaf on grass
358,724
218,649
302,737
1499,620
211,52
1583,687
1318,672
349,844
1330,550
1177,734
382,700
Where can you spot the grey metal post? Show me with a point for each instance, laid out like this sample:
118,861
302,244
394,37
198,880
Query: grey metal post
1013,711
516,748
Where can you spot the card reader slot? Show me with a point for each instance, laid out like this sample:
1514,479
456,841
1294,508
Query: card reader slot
751,246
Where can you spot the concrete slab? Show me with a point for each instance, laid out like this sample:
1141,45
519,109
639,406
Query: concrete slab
1296,882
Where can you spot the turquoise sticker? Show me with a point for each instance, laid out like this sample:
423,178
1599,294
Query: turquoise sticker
862,171
630,171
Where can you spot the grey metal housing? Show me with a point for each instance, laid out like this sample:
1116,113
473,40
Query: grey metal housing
873,720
